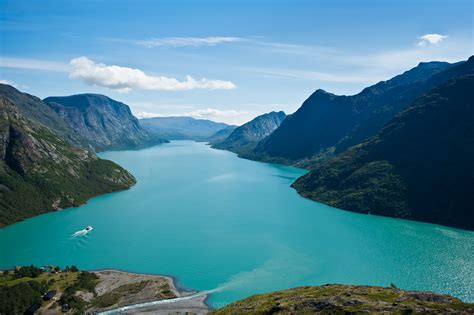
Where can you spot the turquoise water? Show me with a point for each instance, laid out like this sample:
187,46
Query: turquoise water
213,220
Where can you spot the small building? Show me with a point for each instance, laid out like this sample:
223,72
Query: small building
32,309
65,307
49,295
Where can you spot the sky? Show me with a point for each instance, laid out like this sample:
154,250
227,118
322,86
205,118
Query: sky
227,61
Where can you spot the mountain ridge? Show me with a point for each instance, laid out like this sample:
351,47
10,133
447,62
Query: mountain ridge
416,167
40,172
244,138
104,122
327,124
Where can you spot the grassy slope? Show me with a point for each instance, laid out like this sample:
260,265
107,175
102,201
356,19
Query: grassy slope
344,299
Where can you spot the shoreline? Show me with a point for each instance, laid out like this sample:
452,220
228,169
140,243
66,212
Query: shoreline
114,278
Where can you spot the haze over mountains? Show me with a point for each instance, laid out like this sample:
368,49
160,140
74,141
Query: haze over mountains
182,128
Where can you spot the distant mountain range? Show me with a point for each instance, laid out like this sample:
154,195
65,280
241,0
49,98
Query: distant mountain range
41,169
103,122
244,138
182,128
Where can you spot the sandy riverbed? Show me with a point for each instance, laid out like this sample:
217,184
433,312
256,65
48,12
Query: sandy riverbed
156,288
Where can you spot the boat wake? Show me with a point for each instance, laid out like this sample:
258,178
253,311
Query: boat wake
82,232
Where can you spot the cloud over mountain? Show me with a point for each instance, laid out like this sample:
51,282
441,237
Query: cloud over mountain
431,39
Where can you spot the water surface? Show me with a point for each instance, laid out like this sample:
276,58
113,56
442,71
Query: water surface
216,221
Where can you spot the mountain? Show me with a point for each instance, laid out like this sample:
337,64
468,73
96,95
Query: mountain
347,299
103,122
244,138
41,172
36,110
419,166
327,124
182,128
221,134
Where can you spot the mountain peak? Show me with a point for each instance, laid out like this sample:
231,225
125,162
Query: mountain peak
321,92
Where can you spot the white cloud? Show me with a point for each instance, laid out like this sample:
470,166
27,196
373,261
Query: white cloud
14,84
431,39
188,41
141,115
125,79
215,114
9,83
362,69
33,64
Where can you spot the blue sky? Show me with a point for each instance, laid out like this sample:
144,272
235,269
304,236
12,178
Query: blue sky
223,60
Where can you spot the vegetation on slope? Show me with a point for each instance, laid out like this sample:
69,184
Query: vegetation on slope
23,287
221,135
36,110
327,124
419,166
40,172
244,138
77,291
347,299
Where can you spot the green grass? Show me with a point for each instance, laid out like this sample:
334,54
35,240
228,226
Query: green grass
60,280
339,299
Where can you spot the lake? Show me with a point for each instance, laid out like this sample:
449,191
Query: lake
215,221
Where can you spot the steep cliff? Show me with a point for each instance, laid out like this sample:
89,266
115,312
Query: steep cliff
102,121
41,172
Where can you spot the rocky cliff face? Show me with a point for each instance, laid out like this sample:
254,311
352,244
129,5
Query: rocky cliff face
419,166
347,299
102,121
41,172
36,110
244,138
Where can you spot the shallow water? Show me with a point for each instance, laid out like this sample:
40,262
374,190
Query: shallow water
215,221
